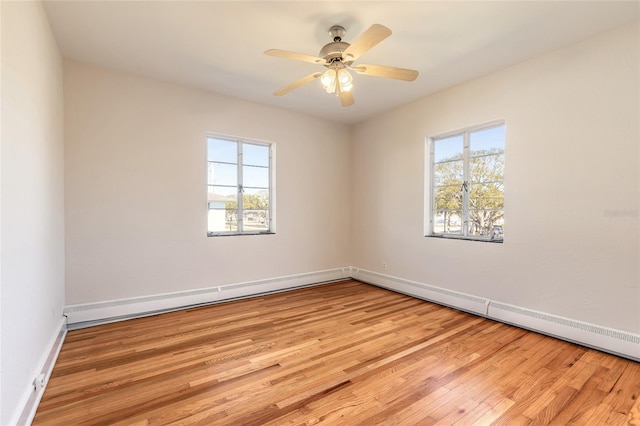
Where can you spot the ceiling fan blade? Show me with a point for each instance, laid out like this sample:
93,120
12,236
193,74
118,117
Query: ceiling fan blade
297,83
295,56
387,72
346,97
374,35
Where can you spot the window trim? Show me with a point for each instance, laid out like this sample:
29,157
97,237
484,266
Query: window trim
429,190
272,176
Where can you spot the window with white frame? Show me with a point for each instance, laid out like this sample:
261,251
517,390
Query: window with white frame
240,187
467,183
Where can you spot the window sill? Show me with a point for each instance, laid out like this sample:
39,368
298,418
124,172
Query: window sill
238,234
453,237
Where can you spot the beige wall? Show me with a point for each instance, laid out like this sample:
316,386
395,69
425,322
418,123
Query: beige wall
133,191
135,181
136,189
32,200
572,129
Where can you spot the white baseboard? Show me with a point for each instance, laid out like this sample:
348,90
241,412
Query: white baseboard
26,409
606,339
140,306
609,340
466,302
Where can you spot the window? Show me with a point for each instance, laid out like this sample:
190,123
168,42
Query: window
467,184
240,187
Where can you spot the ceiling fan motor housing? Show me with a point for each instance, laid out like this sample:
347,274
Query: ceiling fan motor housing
333,50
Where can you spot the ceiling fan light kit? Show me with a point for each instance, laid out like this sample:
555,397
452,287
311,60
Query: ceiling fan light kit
338,56
334,77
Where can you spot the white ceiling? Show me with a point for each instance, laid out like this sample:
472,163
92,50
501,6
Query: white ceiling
218,45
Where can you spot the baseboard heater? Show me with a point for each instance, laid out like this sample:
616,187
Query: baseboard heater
617,342
88,314
610,340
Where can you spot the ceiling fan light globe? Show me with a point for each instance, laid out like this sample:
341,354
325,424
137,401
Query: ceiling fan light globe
328,79
344,77
345,80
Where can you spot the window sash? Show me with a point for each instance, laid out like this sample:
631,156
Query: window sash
439,216
243,219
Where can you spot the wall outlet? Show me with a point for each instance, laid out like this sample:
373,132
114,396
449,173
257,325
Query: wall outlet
38,382
384,266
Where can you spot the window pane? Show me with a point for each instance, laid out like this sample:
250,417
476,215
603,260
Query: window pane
222,150
449,173
223,174
447,222
256,220
257,177
222,193
255,199
222,213
489,168
255,210
487,141
486,223
438,222
448,148
448,197
255,155
486,196
222,220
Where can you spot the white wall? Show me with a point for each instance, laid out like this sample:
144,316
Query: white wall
135,170
32,199
572,129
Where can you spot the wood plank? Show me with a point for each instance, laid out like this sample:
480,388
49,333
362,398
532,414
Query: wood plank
341,353
633,418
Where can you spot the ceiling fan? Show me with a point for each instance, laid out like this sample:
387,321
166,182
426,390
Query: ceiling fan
338,57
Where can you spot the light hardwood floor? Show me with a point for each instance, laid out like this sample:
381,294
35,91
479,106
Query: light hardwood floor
345,353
